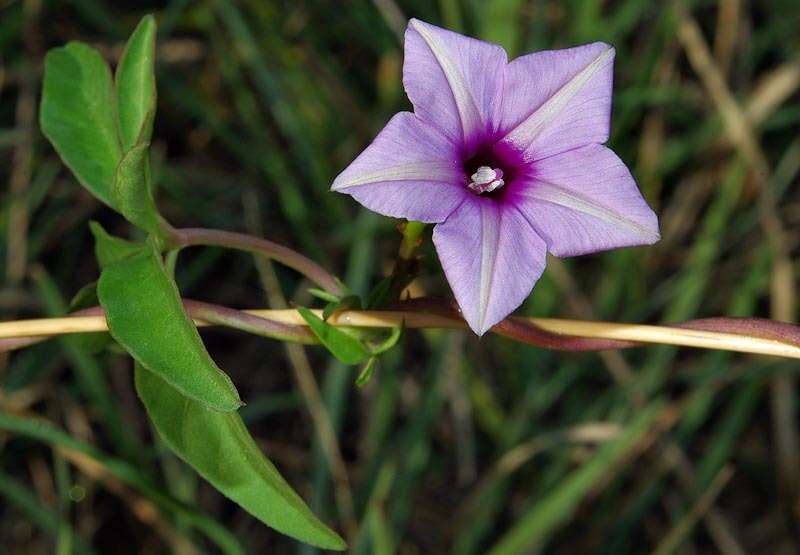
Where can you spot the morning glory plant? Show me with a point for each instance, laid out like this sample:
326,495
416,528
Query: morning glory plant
507,159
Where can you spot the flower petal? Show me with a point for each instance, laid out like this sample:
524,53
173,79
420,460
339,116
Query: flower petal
492,258
454,82
585,200
558,99
409,171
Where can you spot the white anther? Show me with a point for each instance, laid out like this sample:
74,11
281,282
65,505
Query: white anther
484,175
486,180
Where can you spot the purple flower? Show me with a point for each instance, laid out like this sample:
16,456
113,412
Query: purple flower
507,159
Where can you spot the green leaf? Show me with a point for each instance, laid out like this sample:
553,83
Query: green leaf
95,342
132,192
86,297
324,295
146,316
365,374
389,342
219,447
343,346
136,85
379,294
109,249
77,116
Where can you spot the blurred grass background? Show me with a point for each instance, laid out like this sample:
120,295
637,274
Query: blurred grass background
456,445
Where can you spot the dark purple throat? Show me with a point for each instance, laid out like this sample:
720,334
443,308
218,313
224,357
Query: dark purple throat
496,155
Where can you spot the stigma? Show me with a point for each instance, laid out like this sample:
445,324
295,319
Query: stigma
486,180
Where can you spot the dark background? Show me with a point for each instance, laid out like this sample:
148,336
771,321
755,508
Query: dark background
456,441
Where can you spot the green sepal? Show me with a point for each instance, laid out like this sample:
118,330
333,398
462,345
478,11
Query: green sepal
346,348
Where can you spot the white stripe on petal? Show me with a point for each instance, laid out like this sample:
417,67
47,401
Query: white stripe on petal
550,192
467,109
433,170
530,128
490,239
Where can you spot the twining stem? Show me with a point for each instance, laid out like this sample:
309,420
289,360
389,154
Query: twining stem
248,322
190,237
739,335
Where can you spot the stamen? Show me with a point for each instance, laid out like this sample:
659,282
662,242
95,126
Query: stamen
486,180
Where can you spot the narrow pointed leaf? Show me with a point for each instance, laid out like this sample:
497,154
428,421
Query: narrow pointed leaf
390,341
343,346
146,316
136,85
77,116
323,295
365,374
132,191
86,297
219,447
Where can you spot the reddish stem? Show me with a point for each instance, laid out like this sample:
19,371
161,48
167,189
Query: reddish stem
190,237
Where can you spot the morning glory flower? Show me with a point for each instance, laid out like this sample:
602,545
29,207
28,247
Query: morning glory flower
507,159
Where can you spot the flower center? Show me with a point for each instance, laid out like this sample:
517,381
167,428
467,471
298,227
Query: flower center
486,180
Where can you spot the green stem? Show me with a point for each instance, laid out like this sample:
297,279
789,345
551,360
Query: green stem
412,238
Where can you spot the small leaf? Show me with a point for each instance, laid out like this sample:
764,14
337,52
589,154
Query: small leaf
343,346
109,249
219,447
389,342
146,316
77,116
366,372
379,295
132,192
86,297
324,295
136,85
350,302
